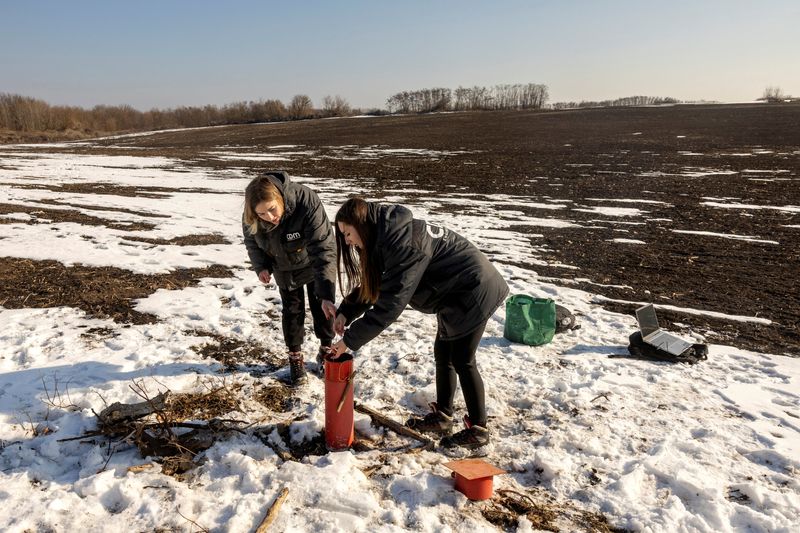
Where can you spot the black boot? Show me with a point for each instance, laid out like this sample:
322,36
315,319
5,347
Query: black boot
297,371
434,422
470,437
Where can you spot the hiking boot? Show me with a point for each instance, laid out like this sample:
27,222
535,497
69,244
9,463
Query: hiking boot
469,438
297,371
434,422
321,354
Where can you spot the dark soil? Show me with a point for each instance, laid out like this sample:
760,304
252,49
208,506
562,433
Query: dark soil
103,208
117,190
104,292
41,215
579,156
184,240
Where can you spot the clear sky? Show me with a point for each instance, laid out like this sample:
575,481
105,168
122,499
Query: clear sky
172,53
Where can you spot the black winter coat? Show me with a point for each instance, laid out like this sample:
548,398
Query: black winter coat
431,268
302,247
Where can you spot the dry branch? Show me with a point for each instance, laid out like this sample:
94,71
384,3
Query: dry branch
140,468
119,414
394,426
273,511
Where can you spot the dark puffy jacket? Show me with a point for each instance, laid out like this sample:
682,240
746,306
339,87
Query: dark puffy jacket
302,247
431,268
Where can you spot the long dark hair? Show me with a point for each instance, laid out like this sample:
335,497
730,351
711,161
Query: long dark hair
258,190
363,272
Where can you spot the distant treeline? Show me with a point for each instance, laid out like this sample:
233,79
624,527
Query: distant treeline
517,96
619,102
25,114
774,95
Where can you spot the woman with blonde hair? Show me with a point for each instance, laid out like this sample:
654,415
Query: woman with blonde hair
289,237
392,260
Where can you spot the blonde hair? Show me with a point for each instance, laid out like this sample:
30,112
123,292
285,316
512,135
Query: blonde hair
261,189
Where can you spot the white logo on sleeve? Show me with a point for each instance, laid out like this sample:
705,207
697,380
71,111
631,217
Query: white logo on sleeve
293,236
434,231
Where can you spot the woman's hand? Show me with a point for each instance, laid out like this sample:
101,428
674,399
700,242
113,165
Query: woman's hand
338,325
338,349
328,309
264,277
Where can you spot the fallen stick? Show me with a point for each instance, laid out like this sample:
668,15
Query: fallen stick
87,434
140,468
601,395
394,426
273,511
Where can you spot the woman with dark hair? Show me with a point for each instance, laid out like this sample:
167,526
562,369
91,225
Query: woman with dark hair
288,236
392,260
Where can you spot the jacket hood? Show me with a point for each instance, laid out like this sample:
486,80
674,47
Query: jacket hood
285,185
390,221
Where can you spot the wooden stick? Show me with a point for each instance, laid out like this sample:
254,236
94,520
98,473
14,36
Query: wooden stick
87,434
394,426
601,395
273,511
140,468
346,390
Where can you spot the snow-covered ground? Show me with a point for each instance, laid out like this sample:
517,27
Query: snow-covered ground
653,446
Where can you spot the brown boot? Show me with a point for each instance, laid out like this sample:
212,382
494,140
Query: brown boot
297,370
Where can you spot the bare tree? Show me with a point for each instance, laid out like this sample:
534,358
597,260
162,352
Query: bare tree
269,111
335,106
773,94
301,107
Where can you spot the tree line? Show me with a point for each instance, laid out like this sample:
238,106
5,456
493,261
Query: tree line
508,96
26,114
619,102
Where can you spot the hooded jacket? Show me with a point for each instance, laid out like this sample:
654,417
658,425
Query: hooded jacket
301,248
430,268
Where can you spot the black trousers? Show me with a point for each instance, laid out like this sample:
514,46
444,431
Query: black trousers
456,359
294,317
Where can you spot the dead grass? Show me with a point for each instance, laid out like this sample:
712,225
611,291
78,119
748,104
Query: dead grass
544,513
235,352
218,401
276,398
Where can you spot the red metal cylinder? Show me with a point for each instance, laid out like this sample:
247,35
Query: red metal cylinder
475,489
338,385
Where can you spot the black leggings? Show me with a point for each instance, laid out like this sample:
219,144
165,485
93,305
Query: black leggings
456,358
294,317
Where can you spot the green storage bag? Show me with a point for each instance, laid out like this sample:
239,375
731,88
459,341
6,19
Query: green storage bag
530,320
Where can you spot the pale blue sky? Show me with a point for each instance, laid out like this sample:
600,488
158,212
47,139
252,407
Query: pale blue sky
171,53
